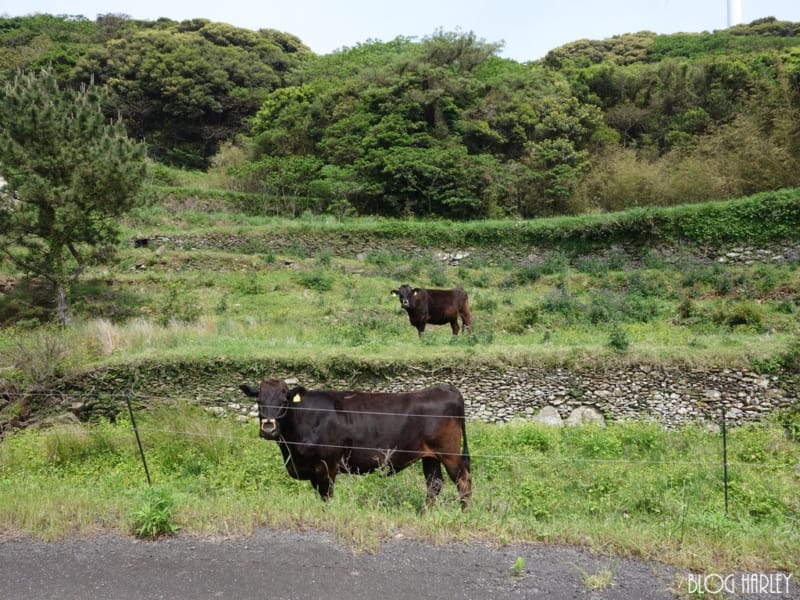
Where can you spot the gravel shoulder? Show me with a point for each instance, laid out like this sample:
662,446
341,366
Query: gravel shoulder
288,565
310,565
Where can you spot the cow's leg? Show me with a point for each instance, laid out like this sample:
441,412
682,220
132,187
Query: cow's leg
459,474
323,479
433,479
454,325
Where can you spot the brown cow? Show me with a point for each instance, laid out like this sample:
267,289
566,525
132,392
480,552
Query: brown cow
323,432
436,307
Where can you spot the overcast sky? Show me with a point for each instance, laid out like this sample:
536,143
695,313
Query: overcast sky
527,28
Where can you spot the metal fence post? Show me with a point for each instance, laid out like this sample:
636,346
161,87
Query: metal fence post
138,439
725,459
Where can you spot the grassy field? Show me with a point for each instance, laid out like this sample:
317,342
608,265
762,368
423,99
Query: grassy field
195,304
629,489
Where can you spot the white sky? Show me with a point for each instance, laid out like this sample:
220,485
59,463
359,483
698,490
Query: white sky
528,28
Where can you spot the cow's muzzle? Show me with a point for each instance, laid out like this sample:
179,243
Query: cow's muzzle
269,428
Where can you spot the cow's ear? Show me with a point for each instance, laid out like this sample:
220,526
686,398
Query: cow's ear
295,394
415,291
248,391
395,292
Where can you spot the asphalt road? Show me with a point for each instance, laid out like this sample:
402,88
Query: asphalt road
279,565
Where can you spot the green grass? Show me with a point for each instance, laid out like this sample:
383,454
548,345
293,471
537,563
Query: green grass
198,304
631,489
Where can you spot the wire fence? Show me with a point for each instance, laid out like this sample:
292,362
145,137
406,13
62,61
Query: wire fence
515,481
249,409
126,405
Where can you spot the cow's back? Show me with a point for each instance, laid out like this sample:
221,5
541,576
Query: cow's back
389,419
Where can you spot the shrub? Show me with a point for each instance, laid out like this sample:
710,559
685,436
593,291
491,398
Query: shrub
618,340
438,275
318,280
739,314
523,319
177,304
562,302
790,360
41,357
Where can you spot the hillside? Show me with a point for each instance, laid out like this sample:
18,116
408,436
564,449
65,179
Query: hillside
210,293
441,127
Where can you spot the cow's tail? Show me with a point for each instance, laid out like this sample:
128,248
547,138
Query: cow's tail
464,446
466,316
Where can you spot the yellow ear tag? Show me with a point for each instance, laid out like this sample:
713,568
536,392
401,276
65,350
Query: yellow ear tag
296,398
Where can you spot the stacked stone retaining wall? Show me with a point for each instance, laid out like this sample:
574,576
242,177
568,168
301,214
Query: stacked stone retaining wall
670,396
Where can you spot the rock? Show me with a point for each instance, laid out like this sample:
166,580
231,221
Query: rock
548,415
585,415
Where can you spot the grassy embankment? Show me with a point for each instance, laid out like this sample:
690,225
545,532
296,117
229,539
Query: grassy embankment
631,489
296,289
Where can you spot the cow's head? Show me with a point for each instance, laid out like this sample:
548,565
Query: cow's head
273,404
406,294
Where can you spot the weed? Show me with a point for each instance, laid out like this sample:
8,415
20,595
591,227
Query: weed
599,580
41,357
318,280
518,568
523,319
154,516
739,314
564,304
222,306
618,340
177,304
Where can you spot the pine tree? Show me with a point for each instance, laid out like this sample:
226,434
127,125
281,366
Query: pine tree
69,173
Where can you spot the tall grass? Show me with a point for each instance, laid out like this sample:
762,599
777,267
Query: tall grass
632,488
198,305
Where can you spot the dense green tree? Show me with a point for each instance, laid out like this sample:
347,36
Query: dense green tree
441,125
185,88
287,179
426,127
44,41
69,174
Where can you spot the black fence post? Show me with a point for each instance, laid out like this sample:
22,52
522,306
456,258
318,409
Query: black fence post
138,439
725,459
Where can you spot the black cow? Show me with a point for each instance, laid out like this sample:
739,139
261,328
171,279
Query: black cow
436,307
322,432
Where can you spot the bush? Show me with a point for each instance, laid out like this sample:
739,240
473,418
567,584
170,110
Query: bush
618,340
177,304
523,319
318,280
562,302
41,357
739,314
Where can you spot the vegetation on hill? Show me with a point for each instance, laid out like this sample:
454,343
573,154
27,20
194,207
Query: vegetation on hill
443,126
634,286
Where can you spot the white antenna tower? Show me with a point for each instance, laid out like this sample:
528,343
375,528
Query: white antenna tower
734,12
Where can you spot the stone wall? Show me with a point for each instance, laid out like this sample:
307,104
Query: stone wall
348,246
670,396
